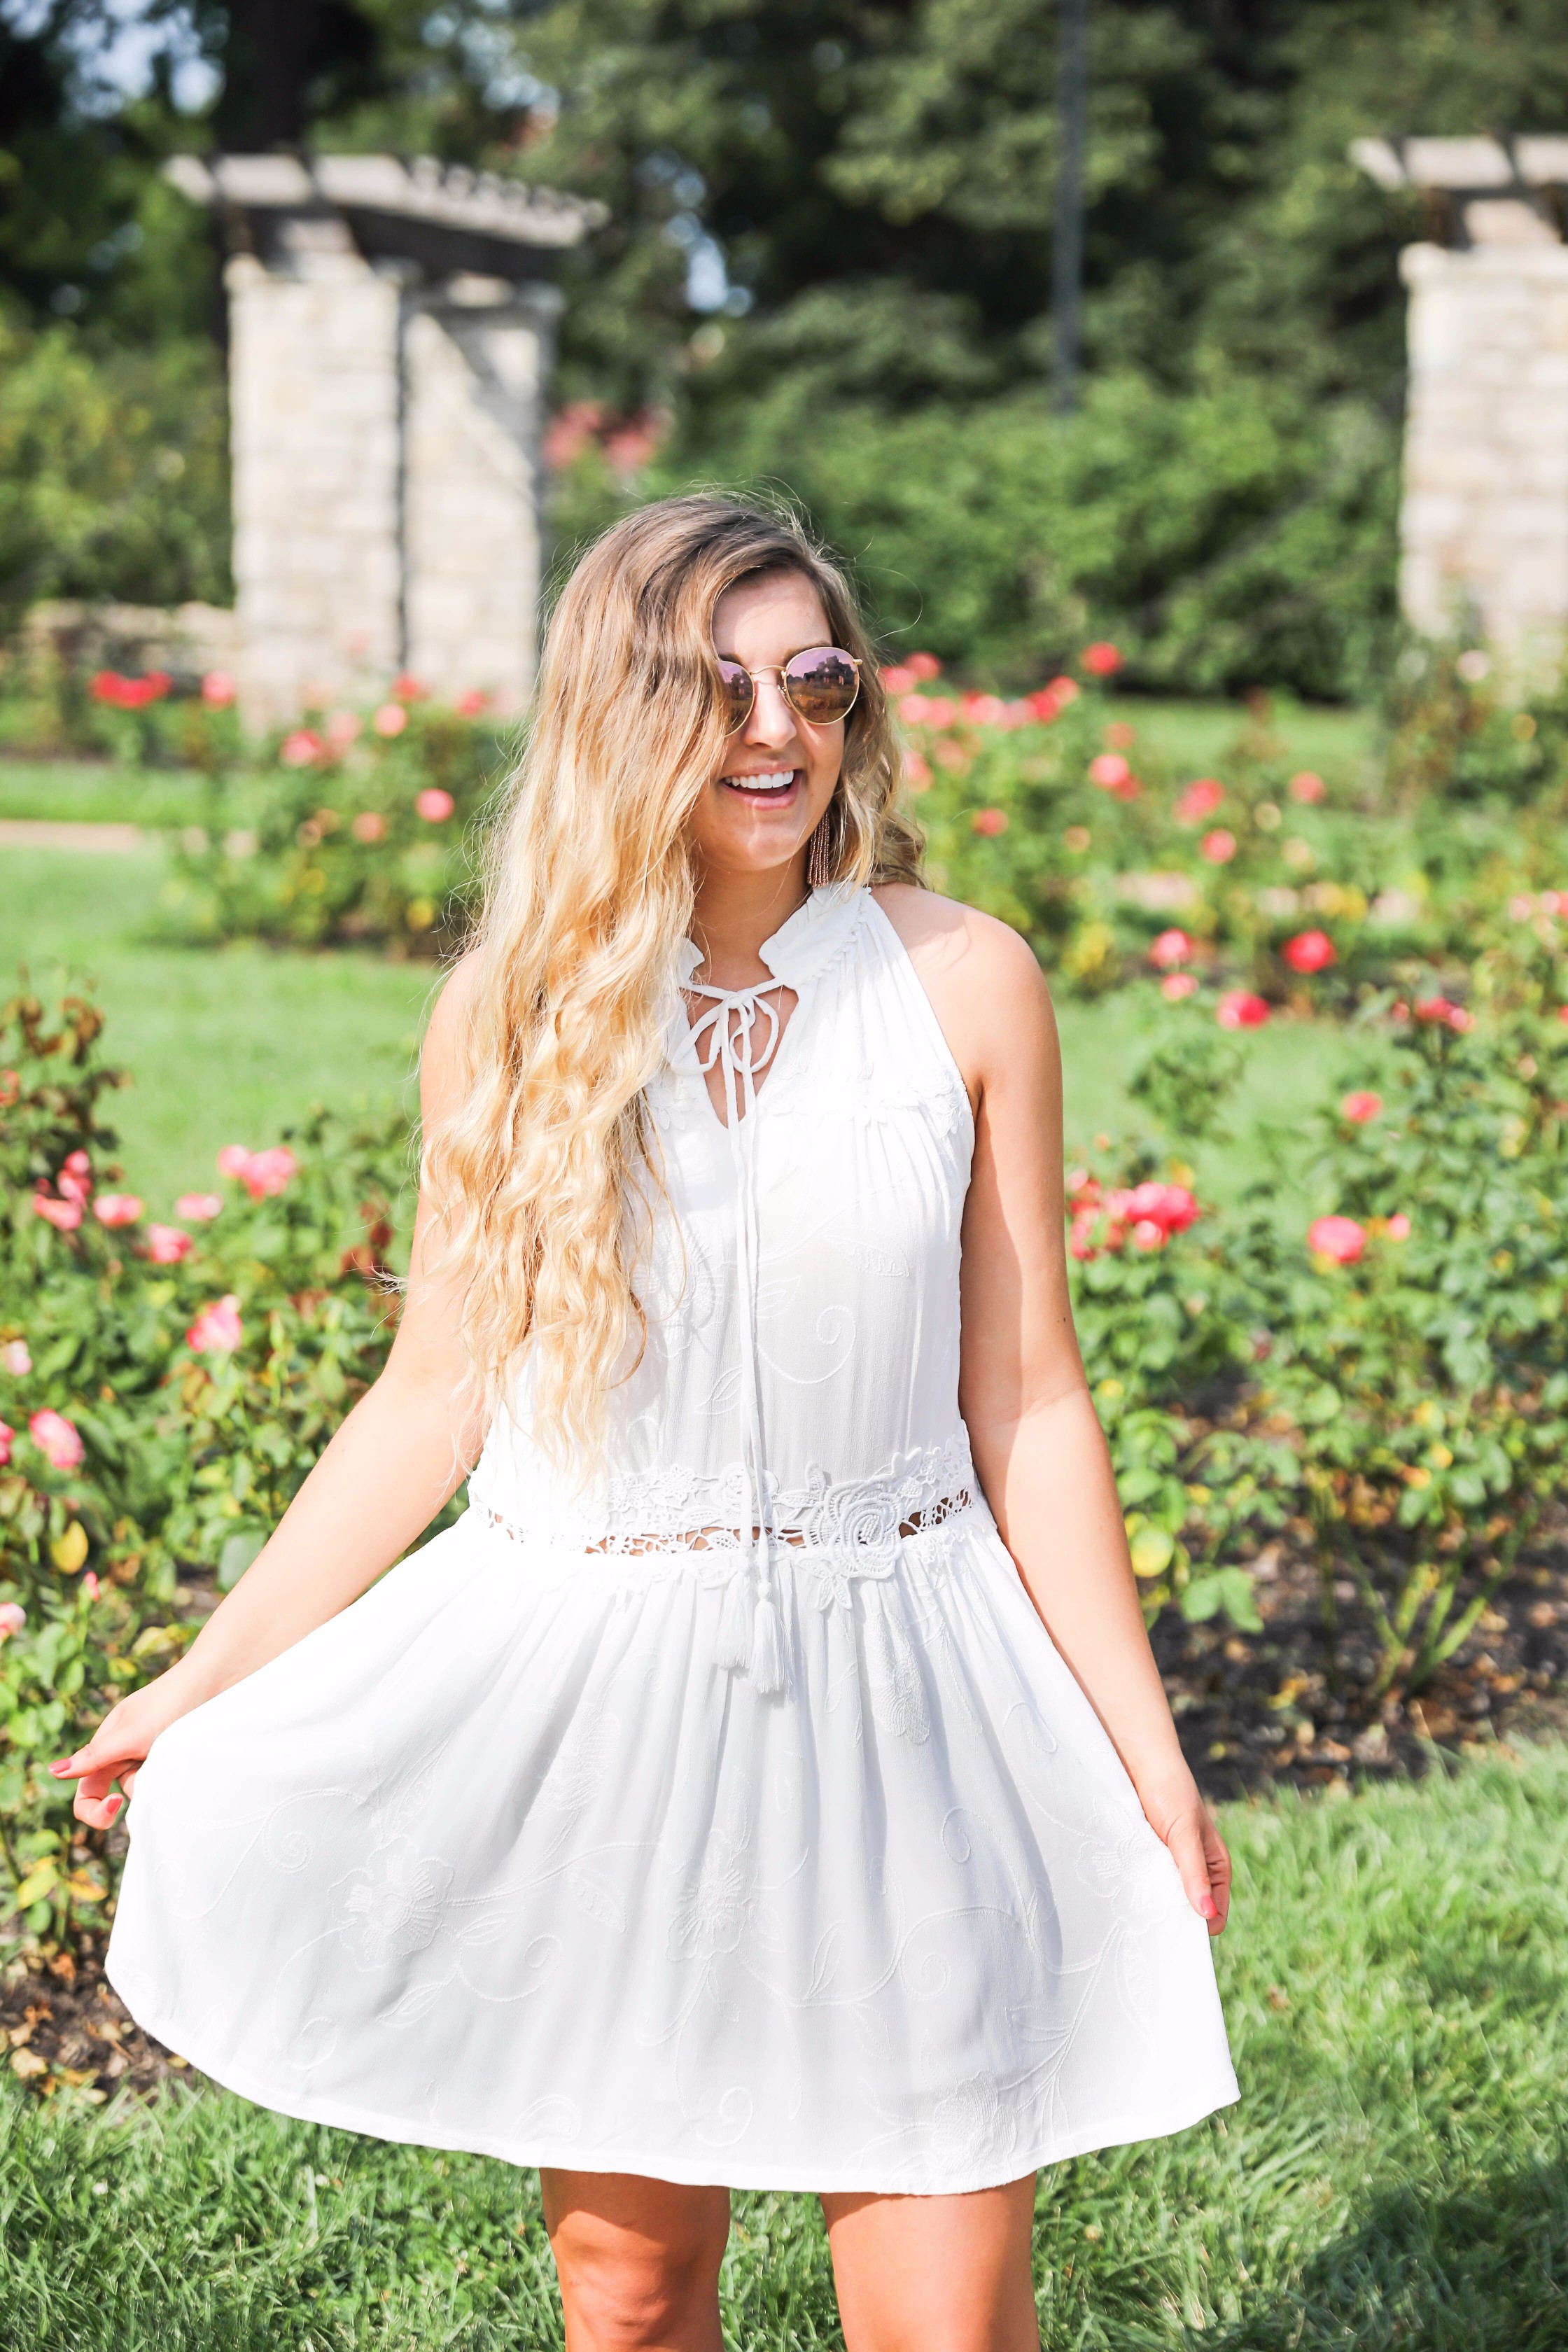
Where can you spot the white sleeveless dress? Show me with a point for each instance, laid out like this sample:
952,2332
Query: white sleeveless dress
737,1821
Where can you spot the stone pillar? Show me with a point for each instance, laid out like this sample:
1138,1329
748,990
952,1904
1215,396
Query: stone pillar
316,443
477,356
1483,523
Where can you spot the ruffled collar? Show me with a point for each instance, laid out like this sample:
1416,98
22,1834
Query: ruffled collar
802,947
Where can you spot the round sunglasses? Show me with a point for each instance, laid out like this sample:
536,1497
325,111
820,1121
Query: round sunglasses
819,684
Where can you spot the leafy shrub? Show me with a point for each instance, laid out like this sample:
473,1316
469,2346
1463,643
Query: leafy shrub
358,833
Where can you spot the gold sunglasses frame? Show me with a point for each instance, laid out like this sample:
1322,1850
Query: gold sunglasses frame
777,669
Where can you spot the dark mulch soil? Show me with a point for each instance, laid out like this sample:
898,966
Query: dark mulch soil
67,2031
1256,1712
1263,1710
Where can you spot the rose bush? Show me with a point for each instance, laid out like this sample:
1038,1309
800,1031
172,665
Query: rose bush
164,1387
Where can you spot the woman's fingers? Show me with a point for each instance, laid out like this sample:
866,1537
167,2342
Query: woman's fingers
95,1768
1217,1855
1189,1851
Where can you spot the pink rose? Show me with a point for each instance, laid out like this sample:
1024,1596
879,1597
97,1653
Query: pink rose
1443,1010
57,1439
1398,1226
117,1209
64,1215
343,729
269,1171
989,822
1218,847
1240,1009
262,1173
985,709
369,825
16,1358
406,687
917,774
1081,1238
13,1616
166,1245
897,678
1101,659
90,1585
1307,787
924,667
1169,1206
1199,800
390,719
217,689
75,1179
1148,1234
1310,951
216,1330
1339,1239
7,1436
1177,984
301,749
1360,1106
199,1208
433,804
472,703
1046,706
1109,770
1171,948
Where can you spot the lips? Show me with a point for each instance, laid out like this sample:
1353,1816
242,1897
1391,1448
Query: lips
763,782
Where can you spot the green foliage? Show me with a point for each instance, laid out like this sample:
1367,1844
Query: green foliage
354,835
113,471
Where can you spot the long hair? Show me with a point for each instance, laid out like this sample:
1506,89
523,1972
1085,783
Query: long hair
589,889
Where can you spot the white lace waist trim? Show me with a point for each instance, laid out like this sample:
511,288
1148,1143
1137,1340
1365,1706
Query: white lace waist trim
850,1529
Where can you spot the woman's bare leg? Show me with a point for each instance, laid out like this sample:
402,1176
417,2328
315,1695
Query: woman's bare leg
935,2273
637,2261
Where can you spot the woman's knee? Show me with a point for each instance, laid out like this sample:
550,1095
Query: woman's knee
641,2270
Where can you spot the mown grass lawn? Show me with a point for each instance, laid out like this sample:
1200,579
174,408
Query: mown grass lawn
224,1045
1396,1984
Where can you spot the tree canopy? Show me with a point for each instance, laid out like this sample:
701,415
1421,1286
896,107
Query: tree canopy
826,267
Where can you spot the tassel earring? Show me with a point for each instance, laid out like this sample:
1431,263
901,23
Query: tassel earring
818,872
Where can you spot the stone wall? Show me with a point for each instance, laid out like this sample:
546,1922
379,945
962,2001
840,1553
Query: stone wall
1484,523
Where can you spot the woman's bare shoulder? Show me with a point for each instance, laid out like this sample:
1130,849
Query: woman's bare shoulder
983,981
442,1055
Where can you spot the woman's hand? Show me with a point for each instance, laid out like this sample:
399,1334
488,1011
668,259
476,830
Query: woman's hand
119,1747
1179,1816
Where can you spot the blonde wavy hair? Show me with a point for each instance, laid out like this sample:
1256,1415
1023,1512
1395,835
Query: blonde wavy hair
589,890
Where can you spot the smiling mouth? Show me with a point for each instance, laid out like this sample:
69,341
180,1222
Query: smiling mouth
767,783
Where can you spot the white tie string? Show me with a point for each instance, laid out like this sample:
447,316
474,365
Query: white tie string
739,1035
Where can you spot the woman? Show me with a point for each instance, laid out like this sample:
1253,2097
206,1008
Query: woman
711,1806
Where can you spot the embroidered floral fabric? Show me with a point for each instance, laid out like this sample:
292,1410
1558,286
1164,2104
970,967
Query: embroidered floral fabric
557,1846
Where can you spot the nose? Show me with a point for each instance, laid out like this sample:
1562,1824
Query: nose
771,723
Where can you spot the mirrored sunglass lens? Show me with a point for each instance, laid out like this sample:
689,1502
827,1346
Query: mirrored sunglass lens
734,694
822,685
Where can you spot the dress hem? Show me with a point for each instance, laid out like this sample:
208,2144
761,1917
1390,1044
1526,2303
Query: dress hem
1116,2131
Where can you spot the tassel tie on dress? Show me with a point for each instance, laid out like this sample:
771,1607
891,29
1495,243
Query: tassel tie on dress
739,1035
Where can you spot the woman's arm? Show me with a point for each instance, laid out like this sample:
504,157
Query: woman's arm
1038,1446
396,1459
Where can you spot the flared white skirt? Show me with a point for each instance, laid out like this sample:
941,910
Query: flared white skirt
501,1860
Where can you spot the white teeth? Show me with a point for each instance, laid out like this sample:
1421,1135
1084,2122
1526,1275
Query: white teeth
777,781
